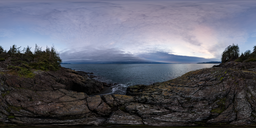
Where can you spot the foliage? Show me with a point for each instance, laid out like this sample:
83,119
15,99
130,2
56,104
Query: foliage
251,60
1,49
241,58
247,53
23,62
230,53
244,56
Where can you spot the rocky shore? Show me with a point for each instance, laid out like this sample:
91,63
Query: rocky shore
220,95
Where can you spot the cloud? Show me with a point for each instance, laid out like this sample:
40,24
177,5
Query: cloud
201,28
114,55
6,33
99,56
171,58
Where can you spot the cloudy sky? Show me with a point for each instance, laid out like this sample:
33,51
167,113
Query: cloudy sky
175,31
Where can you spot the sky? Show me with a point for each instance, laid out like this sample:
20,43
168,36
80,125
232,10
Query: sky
169,31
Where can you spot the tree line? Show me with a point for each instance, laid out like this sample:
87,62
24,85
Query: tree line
25,60
231,53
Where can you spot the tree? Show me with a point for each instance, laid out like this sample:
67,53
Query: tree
38,50
254,49
247,53
28,55
26,60
230,53
1,49
13,50
242,57
27,51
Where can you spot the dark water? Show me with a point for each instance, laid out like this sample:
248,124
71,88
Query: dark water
133,74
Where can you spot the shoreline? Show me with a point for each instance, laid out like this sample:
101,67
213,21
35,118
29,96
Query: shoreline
203,97
144,76
107,86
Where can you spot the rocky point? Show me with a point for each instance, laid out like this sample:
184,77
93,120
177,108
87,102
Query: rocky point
220,95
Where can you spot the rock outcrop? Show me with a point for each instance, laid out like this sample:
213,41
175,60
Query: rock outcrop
220,95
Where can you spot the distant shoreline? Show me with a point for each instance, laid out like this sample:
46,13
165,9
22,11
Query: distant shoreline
148,63
213,62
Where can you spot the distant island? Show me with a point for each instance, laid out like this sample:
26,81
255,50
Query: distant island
210,62
116,62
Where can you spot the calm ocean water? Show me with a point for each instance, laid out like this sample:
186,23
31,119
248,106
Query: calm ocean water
133,74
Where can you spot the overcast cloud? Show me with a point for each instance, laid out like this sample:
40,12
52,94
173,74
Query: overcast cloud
132,30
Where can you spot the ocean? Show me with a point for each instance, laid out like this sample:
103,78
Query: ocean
135,74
